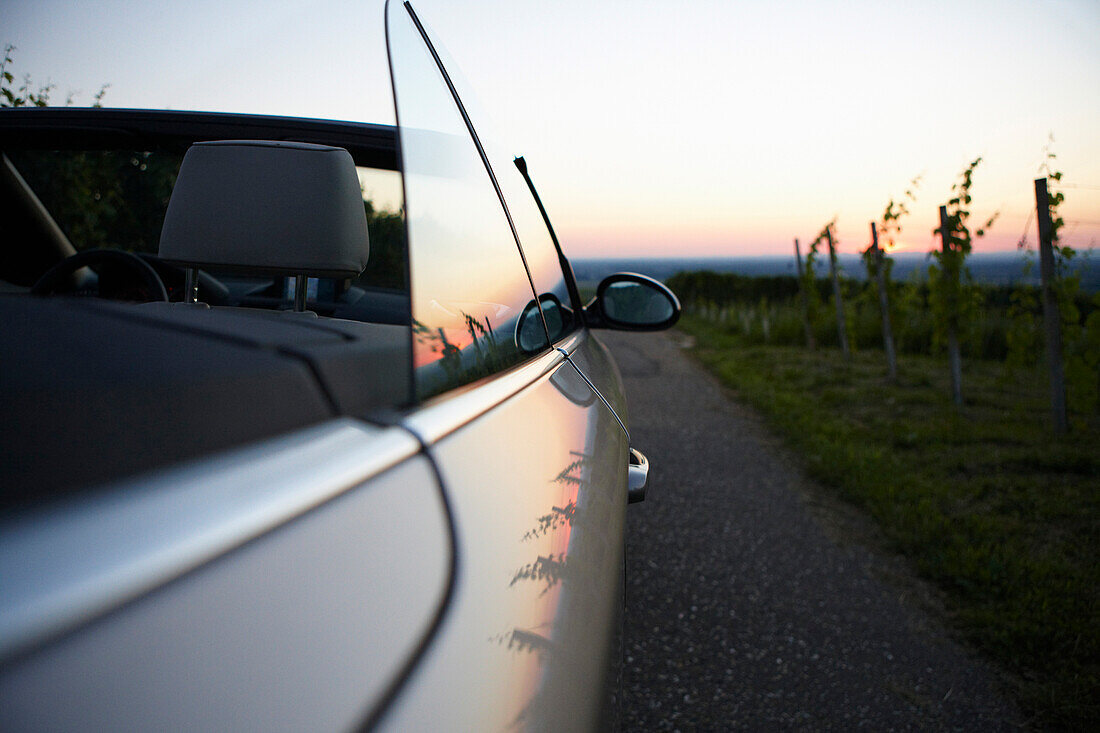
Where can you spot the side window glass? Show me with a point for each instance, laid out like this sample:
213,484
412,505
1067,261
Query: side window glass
386,267
116,199
472,306
538,248
102,198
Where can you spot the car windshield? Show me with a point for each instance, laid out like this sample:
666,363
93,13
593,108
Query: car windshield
103,198
109,193
322,60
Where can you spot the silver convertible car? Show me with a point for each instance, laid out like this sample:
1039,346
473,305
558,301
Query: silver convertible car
274,458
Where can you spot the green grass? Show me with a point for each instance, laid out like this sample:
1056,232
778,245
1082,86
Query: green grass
987,503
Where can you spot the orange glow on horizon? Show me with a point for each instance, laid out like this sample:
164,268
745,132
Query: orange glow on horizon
1016,221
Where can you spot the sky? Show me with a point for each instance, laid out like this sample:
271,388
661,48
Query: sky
659,128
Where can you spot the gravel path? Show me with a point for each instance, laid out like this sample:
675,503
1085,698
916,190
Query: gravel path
741,612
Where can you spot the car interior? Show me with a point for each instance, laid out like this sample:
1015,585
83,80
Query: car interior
205,317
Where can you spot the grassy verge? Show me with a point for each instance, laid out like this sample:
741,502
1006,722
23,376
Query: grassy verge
988,504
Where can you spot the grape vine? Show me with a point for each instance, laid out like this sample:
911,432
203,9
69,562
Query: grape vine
953,298
1080,339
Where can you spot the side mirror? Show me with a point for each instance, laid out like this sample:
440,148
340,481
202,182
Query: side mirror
632,302
530,334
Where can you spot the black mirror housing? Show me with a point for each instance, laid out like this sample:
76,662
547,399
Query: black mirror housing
628,301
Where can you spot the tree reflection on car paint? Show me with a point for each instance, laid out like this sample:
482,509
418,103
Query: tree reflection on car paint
551,570
556,518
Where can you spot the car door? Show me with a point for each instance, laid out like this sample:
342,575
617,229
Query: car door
281,586
532,461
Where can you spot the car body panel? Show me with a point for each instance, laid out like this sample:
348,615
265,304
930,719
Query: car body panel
537,488
70,561
305,625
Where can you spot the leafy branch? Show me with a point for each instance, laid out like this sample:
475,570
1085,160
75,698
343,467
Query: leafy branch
809,279
25,95
888,229
890,226
809,274
952,296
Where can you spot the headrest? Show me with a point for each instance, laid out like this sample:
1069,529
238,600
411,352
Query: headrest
266,207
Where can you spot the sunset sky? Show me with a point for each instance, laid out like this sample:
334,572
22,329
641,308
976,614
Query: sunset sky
660,128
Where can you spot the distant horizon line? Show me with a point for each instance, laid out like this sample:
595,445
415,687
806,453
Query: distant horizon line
907,255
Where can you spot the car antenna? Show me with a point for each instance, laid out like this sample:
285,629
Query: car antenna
571,283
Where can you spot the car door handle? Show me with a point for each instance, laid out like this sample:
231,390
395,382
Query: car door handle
637,475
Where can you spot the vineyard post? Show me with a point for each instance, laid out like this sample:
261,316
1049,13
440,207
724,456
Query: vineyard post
950,272
884,305
1052,318
841,330
803,299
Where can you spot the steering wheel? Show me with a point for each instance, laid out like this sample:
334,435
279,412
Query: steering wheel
151,286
